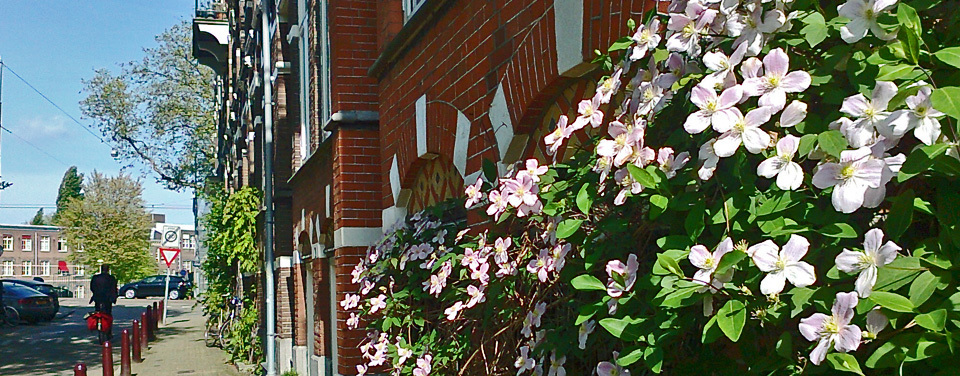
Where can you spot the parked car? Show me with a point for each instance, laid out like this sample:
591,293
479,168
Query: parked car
32,305
153,286
46,288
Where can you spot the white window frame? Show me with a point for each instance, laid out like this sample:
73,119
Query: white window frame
26,243
45,243
28,268
6,269
410,7
44,268
8,242
80,270
62,245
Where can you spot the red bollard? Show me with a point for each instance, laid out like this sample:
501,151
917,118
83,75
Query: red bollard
156,318
151,336
137,341
125,353
107,357
160,314
80,369
143,330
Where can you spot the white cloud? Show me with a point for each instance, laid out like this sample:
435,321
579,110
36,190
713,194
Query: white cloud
41,128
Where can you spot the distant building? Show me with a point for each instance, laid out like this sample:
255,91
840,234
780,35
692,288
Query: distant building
30,251
187,261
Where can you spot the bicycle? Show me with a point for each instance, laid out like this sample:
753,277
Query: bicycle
218,331
102,323
10,316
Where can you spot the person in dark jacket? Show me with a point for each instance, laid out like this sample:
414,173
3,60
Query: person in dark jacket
103,288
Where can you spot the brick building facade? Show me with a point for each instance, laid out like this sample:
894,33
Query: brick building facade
31,251
383,108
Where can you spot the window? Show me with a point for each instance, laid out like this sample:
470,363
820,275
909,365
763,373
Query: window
26,243
61,245
7,267
80,270
8,242
44,244
28,268
44,268
410,7
186,242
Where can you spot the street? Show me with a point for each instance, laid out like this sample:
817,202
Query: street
53,348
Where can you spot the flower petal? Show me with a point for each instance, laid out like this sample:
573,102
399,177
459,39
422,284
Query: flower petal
848,196
827,176
727,144
820,352
854,31
796,82
790,177
800,274
793,114
770,167
849,261
882,94
872,240
795,248
887,253
843,307
755,140
855,105
698,256
697,122
776,63
765,255
773,283
848,339
866,281
810,327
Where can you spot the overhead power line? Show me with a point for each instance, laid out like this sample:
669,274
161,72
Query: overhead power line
86,128
34,146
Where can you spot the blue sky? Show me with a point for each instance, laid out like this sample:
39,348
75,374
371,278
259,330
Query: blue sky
54,44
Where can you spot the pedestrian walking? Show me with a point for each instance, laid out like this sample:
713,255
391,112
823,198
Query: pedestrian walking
103,287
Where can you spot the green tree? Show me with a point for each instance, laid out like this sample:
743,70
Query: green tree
70,188
111,226
38,219
159,110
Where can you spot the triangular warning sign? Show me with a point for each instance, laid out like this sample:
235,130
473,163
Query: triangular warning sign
169,255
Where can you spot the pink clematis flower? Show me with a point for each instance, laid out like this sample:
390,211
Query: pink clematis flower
647,38
584,332
556,365
423,366
713,108
541,265
742,130
612,368
498,204
867,263
921,117
669,163
590,113
627,185
617,272
834,330
871,115
523,191
706,261
722,67
863,16
621,147
789,174
350,301
474,195
687,28
793,114
524,362
476,296
453,311
710,160
533,170
850,178
783,265
609,86
377,303
353,321
752,29
555,139
775,83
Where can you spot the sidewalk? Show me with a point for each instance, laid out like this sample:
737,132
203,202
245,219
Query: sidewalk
179,349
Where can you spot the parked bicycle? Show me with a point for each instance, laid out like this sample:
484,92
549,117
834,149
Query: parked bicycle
219,327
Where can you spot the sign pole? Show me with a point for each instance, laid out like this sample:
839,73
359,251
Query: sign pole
166,293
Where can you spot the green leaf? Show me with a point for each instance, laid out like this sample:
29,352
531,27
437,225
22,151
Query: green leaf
908,18
891,301
711,331
567,227
839,230
669,264
947,100
658,205
631,357
621,44
584,201
778,203
923,287
901,214
642,176
785,345
935,321
586,282
832,142
911,44
653,357
816,29
731,318
949,56
587,311
490,172
844,362
728,261
920,160
806,144
893,72
694,223
627,329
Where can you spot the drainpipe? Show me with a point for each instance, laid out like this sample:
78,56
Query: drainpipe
271,317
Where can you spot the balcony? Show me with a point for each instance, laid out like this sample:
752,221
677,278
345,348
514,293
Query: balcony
211,34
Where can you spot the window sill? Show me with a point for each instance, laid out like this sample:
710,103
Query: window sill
414,26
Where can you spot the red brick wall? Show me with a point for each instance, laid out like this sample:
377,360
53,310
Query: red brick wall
356,178
348,341
461,59
353,48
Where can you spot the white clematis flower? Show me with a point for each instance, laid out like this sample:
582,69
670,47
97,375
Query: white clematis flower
850,178
863,16
869,114
789,174
647,38
706,261
713,108
783,265
742,130
921,117
873,257
709,158
793,114
776,81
